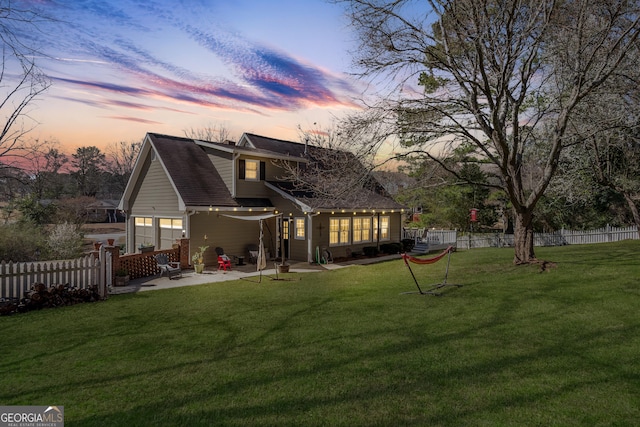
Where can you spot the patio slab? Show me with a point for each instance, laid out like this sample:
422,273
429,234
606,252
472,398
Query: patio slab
190,278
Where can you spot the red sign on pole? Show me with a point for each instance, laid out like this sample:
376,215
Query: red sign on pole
474,214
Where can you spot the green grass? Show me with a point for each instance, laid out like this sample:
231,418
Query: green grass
514,346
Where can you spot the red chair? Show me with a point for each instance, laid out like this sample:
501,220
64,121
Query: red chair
224,262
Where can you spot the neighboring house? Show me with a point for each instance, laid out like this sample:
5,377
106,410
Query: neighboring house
103,211
182,187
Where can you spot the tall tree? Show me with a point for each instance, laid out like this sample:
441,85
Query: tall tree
89,163
503,75
122,157
21,82
610,124
45,170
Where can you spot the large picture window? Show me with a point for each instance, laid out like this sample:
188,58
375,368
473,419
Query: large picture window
339,231
361,229
383,227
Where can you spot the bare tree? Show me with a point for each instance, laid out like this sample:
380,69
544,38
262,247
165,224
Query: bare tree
610,125
121,158
45,165
336,165
212,132
21,82
504,76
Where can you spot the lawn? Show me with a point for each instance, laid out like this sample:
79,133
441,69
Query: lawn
514,346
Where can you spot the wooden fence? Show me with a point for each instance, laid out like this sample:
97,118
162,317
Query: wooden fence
16,279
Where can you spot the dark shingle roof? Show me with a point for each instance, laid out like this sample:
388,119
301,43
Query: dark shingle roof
360,199
279,146
191,171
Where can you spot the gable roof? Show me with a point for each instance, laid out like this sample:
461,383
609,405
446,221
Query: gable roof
197,182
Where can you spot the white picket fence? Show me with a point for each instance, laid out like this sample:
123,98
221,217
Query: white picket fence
487,240
16,279
558,238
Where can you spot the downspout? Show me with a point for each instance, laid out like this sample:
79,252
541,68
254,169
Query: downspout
310,234
187,229
187,226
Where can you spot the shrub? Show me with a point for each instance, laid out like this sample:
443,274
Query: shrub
370,251
407,244
21,242
65,241
393,248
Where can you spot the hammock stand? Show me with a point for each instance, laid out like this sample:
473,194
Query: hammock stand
433,260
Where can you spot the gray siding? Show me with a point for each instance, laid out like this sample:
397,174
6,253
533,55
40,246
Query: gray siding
155,194
223,163
233,235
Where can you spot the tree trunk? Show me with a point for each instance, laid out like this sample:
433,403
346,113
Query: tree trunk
523,237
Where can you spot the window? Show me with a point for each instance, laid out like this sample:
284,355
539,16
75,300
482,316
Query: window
339,231
383,228
285,229
144,222
251,170
361,229
144,231
175,224
300,230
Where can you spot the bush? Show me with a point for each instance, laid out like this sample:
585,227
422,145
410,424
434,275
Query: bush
24,241
391,248
370,251
65,241
407,245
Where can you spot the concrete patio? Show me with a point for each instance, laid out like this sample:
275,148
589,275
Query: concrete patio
247,271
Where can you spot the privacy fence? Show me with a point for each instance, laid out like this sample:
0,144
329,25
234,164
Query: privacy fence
486,240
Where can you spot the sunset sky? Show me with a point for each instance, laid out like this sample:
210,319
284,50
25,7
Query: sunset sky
120,69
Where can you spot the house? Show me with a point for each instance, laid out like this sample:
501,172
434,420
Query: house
202,190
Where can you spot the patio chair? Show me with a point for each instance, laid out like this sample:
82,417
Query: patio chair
253,253
170,268
224,262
